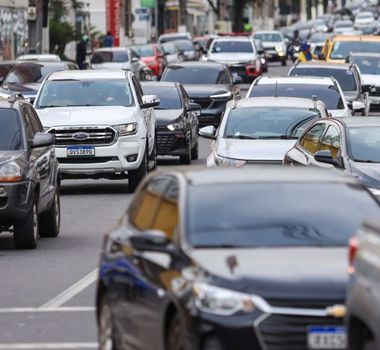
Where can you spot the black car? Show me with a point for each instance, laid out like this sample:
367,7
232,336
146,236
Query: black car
26,77
228,259
29,176
209,84
347,75
176,121
350,144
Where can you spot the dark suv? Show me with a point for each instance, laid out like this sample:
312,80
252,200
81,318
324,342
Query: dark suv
29,175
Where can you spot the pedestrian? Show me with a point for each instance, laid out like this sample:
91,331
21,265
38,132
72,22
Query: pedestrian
305,54
108,40
81,52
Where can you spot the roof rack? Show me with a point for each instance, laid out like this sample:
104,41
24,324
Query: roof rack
14,96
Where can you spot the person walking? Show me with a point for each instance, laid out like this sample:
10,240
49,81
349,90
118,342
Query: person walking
108,40
81,51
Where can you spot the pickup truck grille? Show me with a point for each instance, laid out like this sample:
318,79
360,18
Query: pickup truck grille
88,135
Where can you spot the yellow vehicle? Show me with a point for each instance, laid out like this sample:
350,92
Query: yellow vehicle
341,46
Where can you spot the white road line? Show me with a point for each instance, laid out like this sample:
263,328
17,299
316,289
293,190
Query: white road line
15,310
48,346
72,291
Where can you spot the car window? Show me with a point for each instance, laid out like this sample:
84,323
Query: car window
274,37
166,218
331,141
142,211
169,96
11,138
311,140
368,65
232,46
31,73
110,56
144,51
223,78
192,75
364,144
33,118
342,49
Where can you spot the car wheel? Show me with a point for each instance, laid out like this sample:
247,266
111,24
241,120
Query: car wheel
186,158
25,235
283,62
135,176
106,331
50,221
175,335
195,151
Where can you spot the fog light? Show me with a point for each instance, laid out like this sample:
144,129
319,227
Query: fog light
3,191
132,158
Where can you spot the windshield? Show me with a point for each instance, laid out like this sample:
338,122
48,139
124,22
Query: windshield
192,75
30,73
346,78
109,56
364,144
342,49
368,65
166,39
10,130
144,51
169,96
232,46
343,24
267,122
276,214
318,38
364,15
329,94
71,93
185,45
268,37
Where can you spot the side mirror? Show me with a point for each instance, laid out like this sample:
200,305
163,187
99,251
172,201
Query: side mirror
42,139
151,240
326,158
193,107
358,106
368,88
31,99
236,79
134,60
208,132
149,101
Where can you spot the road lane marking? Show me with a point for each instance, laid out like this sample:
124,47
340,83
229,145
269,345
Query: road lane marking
14,310
48,346
72,291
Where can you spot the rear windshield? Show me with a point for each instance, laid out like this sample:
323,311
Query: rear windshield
30,73
232,46
342,49
169,96
185,45
193,75
268,36
346,78
10,130
144,51
329,94
109,56
276,214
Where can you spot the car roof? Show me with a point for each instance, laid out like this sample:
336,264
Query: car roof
274,102
105,49
88,74
267,32
41,63
355,38
357,122
296,80
167,35
344,66
233,38
39,57
198,64
260,174
366,54
166,84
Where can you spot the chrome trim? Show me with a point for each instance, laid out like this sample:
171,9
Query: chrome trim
256,325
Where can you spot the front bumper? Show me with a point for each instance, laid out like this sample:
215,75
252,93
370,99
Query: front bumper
275,56
173,143
109,160
14,202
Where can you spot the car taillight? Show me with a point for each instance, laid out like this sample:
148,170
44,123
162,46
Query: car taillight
353,249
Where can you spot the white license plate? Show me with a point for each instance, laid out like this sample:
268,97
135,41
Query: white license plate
329,337
81,151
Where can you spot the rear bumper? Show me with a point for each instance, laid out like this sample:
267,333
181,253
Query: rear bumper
246,72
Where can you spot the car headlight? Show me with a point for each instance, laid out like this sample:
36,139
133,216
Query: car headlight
10,172
176,126
279,48
375,191
126,129
220,301
222,96
263,60
224,161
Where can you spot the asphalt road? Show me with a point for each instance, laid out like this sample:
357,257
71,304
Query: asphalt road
47,294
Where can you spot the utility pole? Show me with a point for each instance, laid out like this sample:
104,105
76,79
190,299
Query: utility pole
35,26
303,14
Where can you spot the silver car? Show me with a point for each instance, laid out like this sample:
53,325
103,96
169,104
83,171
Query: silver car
260,130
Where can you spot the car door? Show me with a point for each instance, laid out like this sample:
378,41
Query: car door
303,152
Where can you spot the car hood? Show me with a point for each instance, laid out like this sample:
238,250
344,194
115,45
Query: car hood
371,79
278,273
368,173
167,116
200,91
112,65
66,116
7,156
27,89
233,57
254,149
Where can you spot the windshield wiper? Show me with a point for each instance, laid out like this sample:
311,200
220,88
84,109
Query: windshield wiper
242,137
365,161
281,137
50,106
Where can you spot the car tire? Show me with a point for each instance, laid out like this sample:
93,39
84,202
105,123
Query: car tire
135,176
50,221
195,151
186,158
175,337
106,334
283,63
25,235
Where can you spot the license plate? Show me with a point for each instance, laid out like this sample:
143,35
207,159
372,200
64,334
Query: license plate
329,337
81,151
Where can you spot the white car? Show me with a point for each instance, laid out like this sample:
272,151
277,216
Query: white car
117,58
326,89
260,130
364,19
165,38
274,44
104,126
